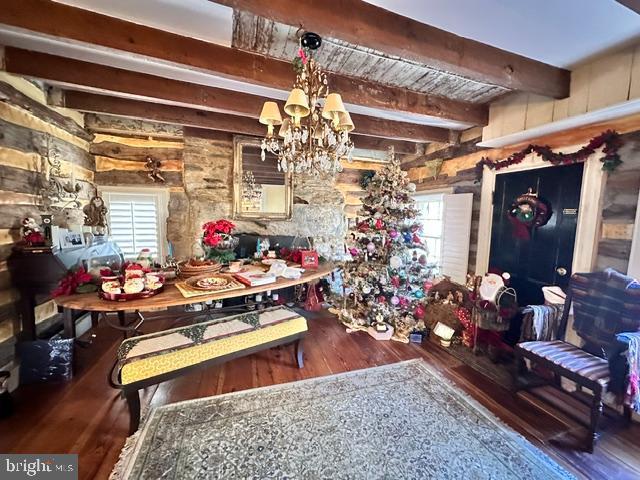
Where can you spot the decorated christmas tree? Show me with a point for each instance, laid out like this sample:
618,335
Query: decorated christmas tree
385,284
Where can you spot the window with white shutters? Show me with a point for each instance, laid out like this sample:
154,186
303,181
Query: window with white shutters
456,235
446,231
430,216
136,221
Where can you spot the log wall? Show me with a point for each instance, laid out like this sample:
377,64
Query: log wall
29,131
619,208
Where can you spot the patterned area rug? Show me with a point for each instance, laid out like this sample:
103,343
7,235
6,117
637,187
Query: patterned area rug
396,421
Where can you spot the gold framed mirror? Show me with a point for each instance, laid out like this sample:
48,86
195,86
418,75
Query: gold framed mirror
260,190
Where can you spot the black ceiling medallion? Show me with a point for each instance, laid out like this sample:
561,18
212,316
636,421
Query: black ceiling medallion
310,40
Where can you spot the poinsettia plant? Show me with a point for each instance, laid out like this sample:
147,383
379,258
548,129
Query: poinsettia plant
78,281
215,232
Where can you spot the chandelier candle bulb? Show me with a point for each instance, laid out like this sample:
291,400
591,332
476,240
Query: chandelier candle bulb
286,123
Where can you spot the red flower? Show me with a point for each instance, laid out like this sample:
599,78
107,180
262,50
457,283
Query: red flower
71,281
212,239
219,226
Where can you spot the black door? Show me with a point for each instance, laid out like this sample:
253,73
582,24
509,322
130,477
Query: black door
536,256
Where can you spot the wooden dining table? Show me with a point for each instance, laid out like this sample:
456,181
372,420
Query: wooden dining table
169,297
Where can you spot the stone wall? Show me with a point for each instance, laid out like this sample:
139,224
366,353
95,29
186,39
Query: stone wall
318,210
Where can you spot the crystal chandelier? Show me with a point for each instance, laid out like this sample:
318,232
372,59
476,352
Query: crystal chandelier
314,137
251,191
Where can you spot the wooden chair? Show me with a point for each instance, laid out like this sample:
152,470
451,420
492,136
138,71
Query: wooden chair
603,307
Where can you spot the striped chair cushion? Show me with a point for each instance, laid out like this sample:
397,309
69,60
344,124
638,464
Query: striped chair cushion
570,358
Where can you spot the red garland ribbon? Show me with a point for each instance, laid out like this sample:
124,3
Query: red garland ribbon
609,140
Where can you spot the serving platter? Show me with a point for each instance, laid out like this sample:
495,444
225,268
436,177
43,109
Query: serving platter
126,297
212,283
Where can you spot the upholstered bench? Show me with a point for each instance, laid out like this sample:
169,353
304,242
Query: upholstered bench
567,360
156,357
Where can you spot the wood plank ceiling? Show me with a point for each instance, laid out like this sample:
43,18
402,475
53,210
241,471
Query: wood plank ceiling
277,40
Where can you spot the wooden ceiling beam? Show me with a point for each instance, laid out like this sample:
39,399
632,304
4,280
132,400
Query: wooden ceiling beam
93,103
63,21
109,80
633,5
120,125
367,25
90,102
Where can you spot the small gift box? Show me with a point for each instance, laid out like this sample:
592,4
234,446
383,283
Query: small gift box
309,259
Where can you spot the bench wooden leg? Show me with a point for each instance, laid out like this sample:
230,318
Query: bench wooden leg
628,415
133,401
596,412
299,354
519,368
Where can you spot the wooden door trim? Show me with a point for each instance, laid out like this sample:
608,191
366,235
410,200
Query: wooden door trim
589,210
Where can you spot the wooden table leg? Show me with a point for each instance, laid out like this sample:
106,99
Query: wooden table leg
69,323
95,319
121,321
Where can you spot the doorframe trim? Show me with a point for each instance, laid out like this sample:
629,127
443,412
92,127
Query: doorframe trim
589,210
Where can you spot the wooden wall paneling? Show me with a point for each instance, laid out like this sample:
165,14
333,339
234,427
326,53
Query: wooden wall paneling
11,95
123,151
634,83
140,141
579,98
136,178
36,92
560,109
539,110
29,131
111,124
610,80
30,141
105,164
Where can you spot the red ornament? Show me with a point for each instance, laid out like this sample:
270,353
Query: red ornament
426,286
419,312
382,299
379,224
395,281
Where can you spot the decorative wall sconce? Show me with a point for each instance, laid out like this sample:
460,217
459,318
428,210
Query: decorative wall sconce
57,194
153,166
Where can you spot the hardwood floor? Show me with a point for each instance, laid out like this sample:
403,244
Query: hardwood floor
86,416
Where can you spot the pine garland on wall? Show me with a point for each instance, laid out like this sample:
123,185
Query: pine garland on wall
609,140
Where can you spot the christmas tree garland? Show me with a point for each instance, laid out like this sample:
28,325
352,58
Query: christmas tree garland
609,140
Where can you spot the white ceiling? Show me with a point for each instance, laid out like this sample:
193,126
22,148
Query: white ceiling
200,19
557,32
